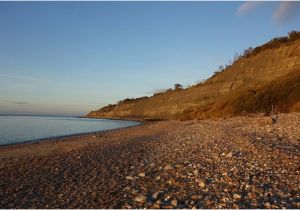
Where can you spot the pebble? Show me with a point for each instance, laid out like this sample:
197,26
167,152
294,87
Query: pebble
179,173
201,184
196,172
155,195
140,198
235,206
236,196
179,166
252,196
129,177
169,167
194,197
229,155
174,202
142,174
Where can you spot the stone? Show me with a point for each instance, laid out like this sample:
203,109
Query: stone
259,190
174,202
235,206
140,198
201,184
229,155
194,197
268,205
196,172
142,174
129,177
179,165
171,181
155,195
236,196
169,167
252,196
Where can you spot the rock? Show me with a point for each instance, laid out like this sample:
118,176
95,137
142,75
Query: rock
134,192
167,198
129,177
171,181
156,205
267,205
201,184
259,190
127,188
196,172
140,198
194,197
229,155
225,200
209,202
174,202
296,204
126,206
236,196
169,167
142,174
179,166
235,206
155,195
252,196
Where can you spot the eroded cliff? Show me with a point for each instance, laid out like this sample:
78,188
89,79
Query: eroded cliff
266,76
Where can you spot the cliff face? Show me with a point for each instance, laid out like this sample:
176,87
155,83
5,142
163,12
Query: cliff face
266,76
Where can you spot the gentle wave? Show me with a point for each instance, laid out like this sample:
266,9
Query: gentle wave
19,129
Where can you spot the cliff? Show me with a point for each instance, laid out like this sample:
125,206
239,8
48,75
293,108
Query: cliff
266,76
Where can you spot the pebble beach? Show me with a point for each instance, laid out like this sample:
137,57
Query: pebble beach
239,162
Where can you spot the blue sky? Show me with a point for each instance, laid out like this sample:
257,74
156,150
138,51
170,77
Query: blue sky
73,57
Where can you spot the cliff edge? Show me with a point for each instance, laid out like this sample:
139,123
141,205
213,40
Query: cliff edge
261,78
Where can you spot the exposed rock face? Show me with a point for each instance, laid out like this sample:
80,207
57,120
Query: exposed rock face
222,94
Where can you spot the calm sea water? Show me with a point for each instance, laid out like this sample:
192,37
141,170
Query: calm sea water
17,129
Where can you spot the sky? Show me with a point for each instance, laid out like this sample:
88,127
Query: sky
68,58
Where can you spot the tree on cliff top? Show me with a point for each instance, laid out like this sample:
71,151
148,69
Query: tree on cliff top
178,86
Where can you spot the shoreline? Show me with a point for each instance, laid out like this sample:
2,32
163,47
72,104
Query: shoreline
58,138
239,162
142,120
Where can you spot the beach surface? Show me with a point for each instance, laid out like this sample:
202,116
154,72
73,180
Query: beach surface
240,162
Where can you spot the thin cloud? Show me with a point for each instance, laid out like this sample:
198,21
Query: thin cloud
14,102
20,102
286,11
247,7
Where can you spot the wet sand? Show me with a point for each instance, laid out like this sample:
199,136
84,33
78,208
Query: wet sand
240,162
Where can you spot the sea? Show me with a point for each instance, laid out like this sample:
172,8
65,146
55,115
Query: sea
20,129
